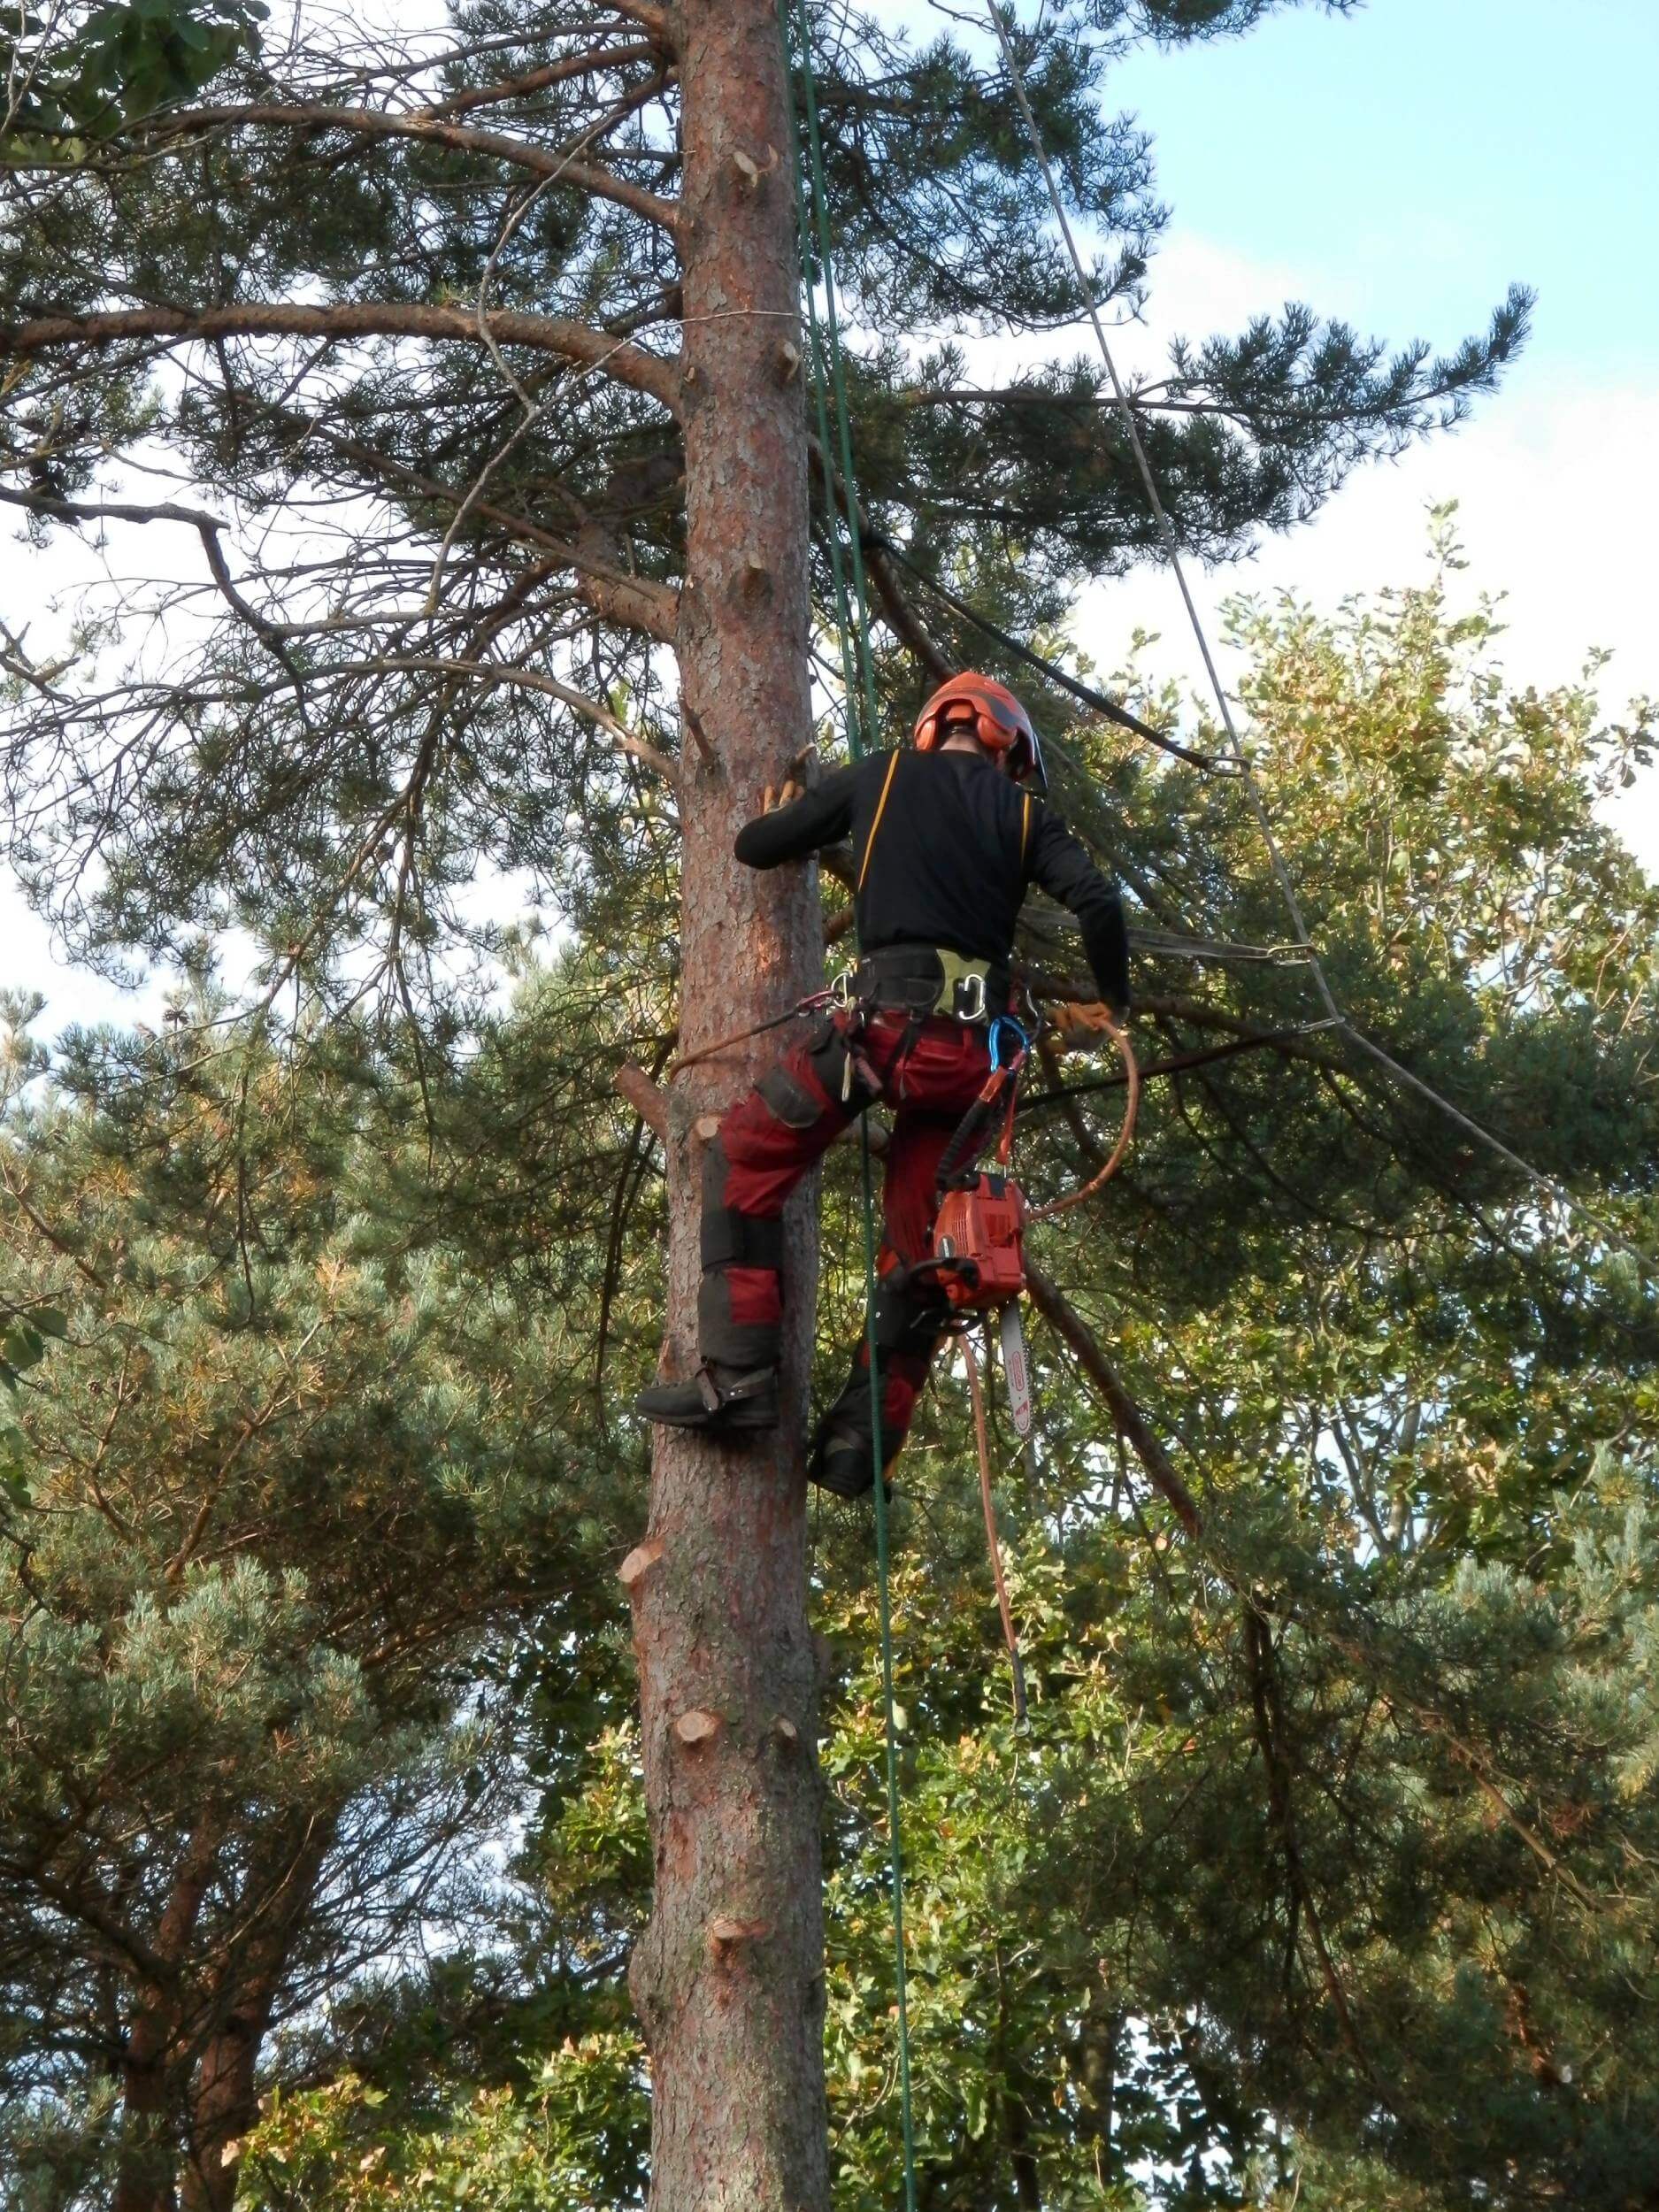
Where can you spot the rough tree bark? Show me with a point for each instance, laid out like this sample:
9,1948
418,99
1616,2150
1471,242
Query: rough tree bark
144,2181
223,2086
728,1976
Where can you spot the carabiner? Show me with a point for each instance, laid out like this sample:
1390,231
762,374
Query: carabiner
1022,1045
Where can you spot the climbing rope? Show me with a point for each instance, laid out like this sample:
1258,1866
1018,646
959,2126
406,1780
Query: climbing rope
858,671
1112,709
829,387
1011,1635
1119,1152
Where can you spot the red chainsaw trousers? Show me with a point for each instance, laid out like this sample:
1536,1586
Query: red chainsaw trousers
929,1076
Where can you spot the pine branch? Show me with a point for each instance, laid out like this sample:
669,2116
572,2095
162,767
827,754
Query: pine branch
434,130
1265,1705
657,23
1067,1324
533,80
624,363
636,603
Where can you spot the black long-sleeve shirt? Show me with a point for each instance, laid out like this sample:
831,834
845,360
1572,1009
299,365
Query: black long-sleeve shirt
949,861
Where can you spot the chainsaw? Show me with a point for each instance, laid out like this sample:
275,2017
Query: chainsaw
978,1262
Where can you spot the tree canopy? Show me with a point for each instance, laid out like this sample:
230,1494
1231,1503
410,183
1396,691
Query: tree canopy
1321,1876
402,314
1322,1865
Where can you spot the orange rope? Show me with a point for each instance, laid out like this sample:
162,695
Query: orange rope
1125,1135
881,808
1010,1636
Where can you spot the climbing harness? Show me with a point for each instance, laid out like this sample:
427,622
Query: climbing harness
924,980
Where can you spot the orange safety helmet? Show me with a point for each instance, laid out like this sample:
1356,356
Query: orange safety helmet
991,711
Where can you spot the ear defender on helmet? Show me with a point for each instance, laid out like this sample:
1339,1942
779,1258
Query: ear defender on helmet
990,711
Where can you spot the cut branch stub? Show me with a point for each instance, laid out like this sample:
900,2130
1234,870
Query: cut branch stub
727,1935
638,1563
696,1728
786,1731
694,723
648,1101
752,171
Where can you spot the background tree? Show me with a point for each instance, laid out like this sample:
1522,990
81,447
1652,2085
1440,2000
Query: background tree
291,1488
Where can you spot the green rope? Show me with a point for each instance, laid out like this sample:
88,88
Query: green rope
838,373
856,738
862,732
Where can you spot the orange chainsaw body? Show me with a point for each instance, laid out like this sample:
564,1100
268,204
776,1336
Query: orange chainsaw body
978,1237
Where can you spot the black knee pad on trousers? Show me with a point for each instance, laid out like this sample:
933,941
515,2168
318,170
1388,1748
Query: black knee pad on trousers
729,1236
788,1099
841,1069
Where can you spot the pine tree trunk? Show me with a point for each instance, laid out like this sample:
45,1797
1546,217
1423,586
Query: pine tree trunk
225,2106
728,1977
144,2180
278,1893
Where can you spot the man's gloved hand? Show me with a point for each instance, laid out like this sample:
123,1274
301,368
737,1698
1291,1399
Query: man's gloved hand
781,795
793,786
1082,1026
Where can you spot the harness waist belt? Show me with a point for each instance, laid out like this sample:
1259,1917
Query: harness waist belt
924,980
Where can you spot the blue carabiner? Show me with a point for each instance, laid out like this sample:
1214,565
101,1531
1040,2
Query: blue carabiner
1022,1044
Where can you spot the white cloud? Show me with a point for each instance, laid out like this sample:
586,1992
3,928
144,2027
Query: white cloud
32,963
1557,480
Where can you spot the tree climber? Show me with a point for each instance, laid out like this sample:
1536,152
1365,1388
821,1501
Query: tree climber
948,837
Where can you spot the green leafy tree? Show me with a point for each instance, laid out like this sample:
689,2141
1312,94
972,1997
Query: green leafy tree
79,75
291,1485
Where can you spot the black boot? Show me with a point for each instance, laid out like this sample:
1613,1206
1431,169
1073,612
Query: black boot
842,1462
910,1316
717,1397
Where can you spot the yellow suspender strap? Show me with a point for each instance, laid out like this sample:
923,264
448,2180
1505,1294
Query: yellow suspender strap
1024,828
870,842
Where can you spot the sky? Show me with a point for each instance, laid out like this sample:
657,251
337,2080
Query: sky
1399,167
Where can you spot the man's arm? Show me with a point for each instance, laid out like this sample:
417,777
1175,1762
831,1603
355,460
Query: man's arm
821,818
1060,863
